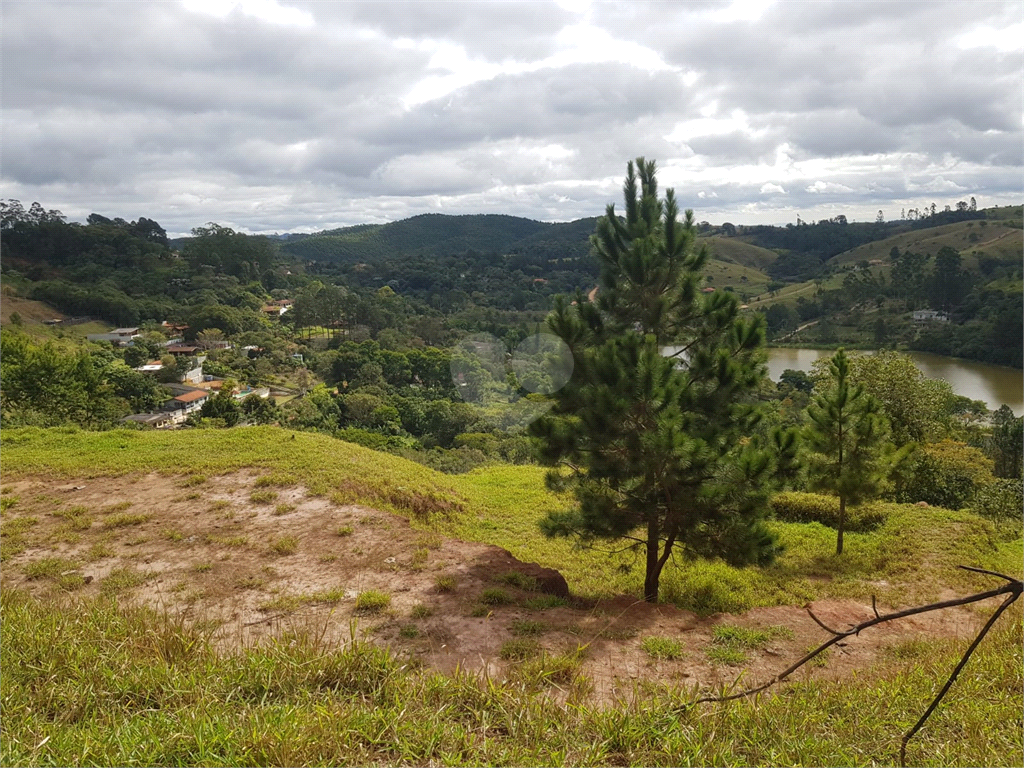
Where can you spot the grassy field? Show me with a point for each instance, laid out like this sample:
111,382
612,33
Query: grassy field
737,251
969,237
744,280
94,683
911,556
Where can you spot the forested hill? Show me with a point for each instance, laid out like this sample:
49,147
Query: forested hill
435,234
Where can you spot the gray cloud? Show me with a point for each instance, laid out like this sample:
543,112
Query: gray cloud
377,111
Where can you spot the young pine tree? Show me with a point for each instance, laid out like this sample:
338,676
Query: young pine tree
850,454
654,445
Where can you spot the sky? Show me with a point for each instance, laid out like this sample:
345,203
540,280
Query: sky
298,116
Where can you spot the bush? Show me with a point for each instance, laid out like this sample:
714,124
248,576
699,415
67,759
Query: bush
945,474
793,507
1001,500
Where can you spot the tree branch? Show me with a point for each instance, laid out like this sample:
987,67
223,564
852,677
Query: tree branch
1012,589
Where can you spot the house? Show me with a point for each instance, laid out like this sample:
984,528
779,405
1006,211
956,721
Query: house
929,316
151,367
183,405
118,337
182,349
194,376
157,420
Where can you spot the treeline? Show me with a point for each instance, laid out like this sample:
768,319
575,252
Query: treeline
53,384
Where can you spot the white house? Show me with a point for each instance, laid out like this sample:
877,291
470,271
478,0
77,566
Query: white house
929,316
118,337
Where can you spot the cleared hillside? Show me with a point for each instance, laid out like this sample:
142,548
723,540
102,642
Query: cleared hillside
971,238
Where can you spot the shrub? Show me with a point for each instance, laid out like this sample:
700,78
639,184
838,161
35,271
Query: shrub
793,507
1002,500
372,601
662,648
945,474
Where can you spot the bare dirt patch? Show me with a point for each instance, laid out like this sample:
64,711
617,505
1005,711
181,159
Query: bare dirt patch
263,559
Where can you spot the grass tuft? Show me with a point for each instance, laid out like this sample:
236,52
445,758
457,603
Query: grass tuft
445,583
125,520
519,649
496,596
372,601
662,648
286,545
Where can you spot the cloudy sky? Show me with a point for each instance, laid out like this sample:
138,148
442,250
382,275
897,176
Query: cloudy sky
290,115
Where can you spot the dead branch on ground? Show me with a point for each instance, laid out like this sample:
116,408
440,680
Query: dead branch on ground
1012,590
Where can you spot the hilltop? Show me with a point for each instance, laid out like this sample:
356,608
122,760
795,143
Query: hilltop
290,572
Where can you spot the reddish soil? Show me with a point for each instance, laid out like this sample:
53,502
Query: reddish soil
208,550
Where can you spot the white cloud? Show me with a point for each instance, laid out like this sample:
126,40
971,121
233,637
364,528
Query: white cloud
772,189
1008,38
269,11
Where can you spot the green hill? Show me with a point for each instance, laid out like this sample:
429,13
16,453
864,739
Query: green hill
429,234
973,239
737,251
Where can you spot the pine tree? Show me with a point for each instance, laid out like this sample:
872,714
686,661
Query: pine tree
850,453
654,445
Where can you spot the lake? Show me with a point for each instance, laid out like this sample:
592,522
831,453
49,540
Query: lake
992,384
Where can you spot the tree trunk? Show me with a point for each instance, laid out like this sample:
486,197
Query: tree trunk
653,567
842,525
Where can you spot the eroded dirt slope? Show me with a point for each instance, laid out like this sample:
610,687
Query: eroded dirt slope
259,561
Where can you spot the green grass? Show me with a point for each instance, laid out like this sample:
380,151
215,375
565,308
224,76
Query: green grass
126,519
745,637
276,480
543,602
283,509
47,568
527,628
290,602
7,502
662,648
421,611
122,579
372,601
730,643
727,654
286,545
445,583
496,596
914,550
263,497
345,530
117,685
519,649
518,580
